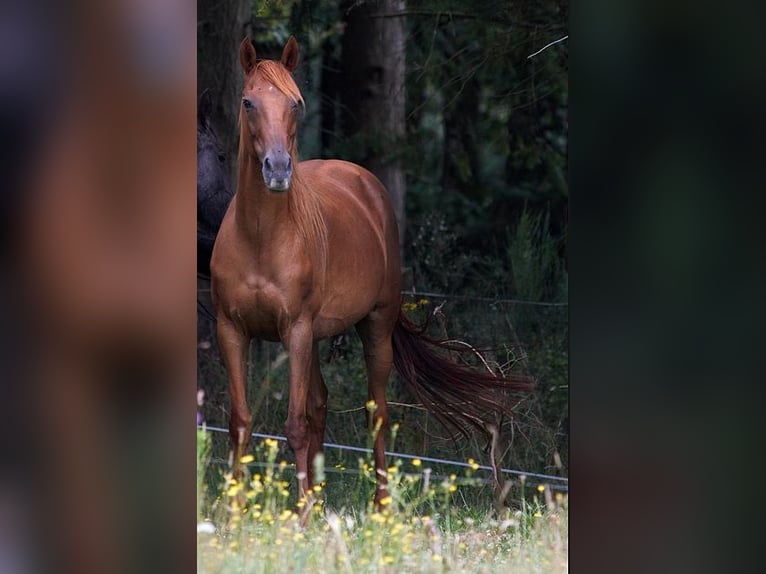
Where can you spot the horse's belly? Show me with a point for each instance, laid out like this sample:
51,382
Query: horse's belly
264,327
325,327
344,310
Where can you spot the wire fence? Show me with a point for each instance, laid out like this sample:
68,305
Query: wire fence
556,483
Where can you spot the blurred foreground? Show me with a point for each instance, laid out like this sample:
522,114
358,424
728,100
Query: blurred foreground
97,109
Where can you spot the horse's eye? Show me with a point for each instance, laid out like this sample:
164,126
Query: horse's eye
247,103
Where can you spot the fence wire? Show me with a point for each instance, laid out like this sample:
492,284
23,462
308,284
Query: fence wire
558,483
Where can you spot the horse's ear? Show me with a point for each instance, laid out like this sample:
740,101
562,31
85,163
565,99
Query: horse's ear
247,55
290,54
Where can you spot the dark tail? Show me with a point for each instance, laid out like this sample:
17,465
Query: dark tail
459,397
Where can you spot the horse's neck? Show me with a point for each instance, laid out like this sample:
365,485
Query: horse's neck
260,212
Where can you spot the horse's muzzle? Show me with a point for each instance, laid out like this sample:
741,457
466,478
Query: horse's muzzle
277,171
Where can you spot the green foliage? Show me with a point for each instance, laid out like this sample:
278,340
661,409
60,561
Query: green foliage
487,126
433,249
203,452
533,253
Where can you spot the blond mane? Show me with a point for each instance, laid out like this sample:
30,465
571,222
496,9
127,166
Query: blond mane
279,76
304,207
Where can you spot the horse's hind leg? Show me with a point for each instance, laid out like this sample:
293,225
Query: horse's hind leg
316,413
233,344
375,332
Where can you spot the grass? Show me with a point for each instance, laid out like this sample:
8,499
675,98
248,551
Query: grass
426,525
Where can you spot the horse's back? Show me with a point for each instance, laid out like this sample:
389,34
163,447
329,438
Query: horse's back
351,189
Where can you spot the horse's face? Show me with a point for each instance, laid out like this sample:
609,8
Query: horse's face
271,105
271,119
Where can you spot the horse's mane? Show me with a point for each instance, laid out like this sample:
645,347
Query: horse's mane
304,206
281,78
306,210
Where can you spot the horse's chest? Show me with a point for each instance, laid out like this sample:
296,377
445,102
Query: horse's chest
260,306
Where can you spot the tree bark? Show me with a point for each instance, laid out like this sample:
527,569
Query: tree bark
221,25
374,93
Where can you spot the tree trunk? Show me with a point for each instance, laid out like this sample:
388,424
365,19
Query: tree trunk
373,93
221,25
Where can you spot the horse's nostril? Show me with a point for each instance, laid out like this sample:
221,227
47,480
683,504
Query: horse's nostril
289,163
267,163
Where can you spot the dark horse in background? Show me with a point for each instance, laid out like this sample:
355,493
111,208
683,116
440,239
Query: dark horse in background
308,249
214,191
214,194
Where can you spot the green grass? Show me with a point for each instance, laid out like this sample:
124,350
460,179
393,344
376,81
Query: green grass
427,525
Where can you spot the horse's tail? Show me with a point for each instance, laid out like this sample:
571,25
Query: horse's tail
459,397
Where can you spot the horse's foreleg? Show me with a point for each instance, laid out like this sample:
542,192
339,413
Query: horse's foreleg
299,344
233,345
378,355
316,412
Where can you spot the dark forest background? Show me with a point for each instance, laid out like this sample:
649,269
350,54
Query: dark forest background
441,100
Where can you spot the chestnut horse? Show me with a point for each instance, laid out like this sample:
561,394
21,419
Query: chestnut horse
305,251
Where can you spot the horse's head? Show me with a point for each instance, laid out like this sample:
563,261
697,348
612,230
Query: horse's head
271,106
